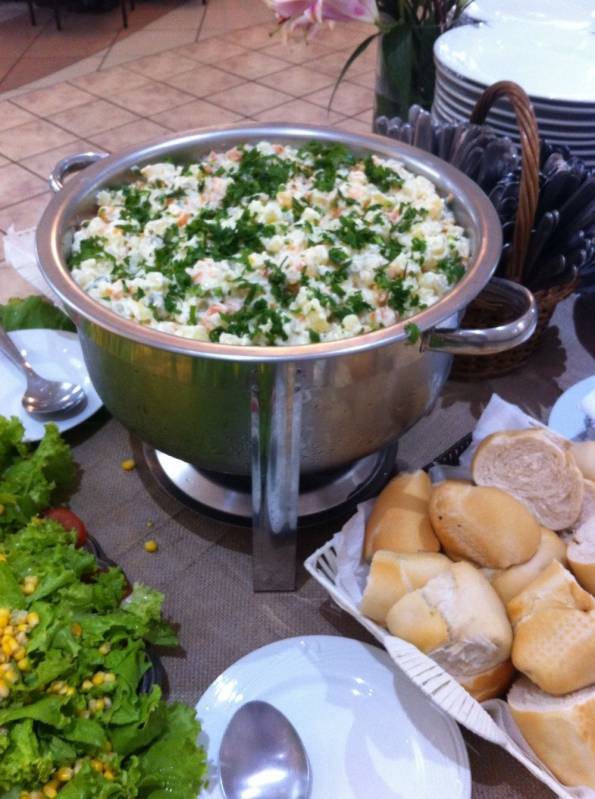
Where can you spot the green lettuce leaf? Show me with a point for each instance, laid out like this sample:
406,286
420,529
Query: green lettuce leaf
33,312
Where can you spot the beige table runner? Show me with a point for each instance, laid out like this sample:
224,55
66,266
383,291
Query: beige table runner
204,566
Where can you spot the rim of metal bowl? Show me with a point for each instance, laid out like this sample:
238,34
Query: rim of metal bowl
65,205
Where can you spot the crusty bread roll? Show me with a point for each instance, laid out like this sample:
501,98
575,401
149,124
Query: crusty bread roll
488,684
588,507
510,582
537,467
399,520
584,455
485,525
581,555
392,575
560,730
555,587
555,648
456,618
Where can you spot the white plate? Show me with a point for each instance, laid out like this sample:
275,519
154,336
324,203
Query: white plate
567,417
368,731
569,15
54,354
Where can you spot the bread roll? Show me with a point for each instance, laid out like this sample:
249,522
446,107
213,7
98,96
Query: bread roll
399,520
555,648
555,587
581,555
588,507
392,575
484,525
510,582
584,455
458,619
538,468
488,684
560,730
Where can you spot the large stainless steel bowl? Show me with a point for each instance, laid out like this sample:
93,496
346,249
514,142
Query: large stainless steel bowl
328,403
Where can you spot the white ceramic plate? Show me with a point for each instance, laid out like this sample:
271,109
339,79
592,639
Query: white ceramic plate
567,416
368,731
54,354
569,15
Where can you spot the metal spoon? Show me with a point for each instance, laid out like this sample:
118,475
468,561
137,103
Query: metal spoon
42,396
262,757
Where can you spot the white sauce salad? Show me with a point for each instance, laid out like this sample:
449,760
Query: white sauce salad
269,244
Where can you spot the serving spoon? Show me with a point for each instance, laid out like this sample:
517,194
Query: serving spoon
42,396
262,757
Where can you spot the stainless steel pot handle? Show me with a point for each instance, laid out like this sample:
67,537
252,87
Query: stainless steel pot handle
72,163
494,339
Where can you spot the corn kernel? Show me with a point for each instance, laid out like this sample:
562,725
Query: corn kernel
4,617
2,558
151,545
24,664
9,645
11,677
50,789
36,795
109,677
99,705
76,628
128,465
24,795
9,630
33,618
107,703
19,653
21,638
4,690
97,764
30,584
98,678
108,774
87,685
83,714
64,774
105,649
22,627
70,691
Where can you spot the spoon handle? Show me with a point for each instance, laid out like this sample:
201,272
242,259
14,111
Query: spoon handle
12,352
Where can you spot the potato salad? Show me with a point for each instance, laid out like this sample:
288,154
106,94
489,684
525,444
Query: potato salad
271,244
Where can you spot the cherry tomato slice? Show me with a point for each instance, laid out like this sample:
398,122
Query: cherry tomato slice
69,521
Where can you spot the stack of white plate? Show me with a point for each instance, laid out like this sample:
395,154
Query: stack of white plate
554,63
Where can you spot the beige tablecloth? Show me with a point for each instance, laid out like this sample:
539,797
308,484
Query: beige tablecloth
204,566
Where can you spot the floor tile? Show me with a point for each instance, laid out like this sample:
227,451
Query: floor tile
297,80
186,17
297,52
26,214
144,43
334,63
108,82
366,116
11,116
211,50
127,135
196,115
43,163
26,70
31,138
367,78
298,111
350,99
204,80
3,161
17,184
74,70
80,43
151,97
249,102
353,125
93,117
252,65
162,66
255,36
44,102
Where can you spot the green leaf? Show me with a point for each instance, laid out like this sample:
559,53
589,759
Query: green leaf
11,595
413,333
33,312
397,55
362,47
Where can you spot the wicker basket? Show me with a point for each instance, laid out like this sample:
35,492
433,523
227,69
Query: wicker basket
481,313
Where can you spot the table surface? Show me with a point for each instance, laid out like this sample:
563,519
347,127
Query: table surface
204,566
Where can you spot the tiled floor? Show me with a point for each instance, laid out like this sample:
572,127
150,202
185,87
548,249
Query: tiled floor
222,67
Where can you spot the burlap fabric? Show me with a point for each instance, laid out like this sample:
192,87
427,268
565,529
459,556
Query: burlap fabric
204,566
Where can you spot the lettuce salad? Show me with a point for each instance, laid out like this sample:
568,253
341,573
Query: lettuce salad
73,723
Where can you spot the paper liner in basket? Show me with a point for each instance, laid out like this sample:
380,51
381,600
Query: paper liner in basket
338,567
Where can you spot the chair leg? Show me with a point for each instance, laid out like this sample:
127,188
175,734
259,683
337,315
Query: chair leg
124,13
132,5
31,12
57,14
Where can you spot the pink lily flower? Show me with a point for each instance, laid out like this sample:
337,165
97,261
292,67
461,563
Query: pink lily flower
308,16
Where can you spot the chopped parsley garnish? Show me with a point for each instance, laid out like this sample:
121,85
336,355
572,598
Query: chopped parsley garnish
382,176
452,266
328,159
413,333
257,174
353,234
93,247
